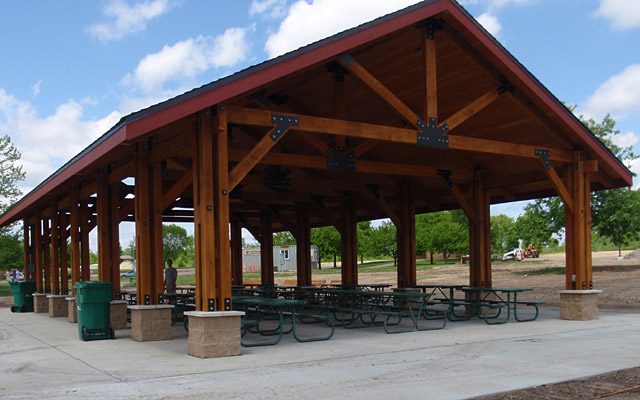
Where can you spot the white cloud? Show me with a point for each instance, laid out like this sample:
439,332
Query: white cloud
269,8
626,139
46,143
619,95
127,19
490,23
36,87
307,22
623,14
185,60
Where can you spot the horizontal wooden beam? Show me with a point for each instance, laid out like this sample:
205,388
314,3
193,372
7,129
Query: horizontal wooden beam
331,126
374,167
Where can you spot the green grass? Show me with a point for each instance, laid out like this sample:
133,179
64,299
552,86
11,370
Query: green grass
5,290
543,271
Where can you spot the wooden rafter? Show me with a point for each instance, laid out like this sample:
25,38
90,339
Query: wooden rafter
256,154
387,208
558,185
330,126
176,190
431,84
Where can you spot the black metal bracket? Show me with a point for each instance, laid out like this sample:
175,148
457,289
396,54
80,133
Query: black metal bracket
544,156
432,25
277,177
375,189
260,96
506,86
339,161
160,299
338,70
347,59
283,123
147,300
446,175
211,305
433,135
227,304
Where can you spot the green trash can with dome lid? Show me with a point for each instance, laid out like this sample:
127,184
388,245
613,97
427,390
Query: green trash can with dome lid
22,296
93,300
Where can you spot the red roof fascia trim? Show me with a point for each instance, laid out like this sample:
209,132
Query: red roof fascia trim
174,113
103,148
539,91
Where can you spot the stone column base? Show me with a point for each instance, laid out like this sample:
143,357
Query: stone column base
40,303
57,305
152,322
579,305
119,314
214,334
72,310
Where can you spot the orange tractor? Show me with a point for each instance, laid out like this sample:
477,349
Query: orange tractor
531,252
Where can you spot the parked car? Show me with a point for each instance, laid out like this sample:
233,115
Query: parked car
130,274
513,254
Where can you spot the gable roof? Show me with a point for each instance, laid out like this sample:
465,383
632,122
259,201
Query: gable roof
136,125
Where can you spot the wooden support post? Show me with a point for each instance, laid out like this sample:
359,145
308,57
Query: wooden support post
303,244
221,206
26,248
406,239
55,251
578,229
74,210
38,253
266,249
84,241
349,242
157,249
144,251
46,248
236,252
480,234
431,92
104,241
114,235
64,263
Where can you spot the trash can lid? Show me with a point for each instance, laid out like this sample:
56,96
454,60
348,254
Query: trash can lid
92,284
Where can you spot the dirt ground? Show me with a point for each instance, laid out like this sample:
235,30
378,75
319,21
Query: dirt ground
617,279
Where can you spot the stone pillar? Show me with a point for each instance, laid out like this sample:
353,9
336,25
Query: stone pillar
40,303
214,334
119,314
151,322
72,310
579,305
57,305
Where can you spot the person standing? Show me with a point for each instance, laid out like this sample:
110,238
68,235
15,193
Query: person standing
170,277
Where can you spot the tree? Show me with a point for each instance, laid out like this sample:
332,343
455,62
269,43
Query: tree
550,211
327,238
618,216
11,250
502,227
177,244
364,243
283,239
449,237
384,241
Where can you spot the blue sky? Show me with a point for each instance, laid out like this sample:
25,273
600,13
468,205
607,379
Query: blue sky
70,70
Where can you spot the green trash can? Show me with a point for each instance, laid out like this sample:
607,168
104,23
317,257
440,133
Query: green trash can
93,300
22,296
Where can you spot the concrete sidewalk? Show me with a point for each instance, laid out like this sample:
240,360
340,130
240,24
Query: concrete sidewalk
43,357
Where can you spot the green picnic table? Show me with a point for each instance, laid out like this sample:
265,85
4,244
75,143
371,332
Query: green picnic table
495,299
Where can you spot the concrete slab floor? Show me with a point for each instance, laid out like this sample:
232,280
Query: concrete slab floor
43,357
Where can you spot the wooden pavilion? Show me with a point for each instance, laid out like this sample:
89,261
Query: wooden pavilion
417,111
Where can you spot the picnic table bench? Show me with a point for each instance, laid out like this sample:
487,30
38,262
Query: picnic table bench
492,299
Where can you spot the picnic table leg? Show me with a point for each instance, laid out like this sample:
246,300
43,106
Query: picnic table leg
274,342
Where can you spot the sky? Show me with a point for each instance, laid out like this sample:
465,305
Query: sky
69,70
